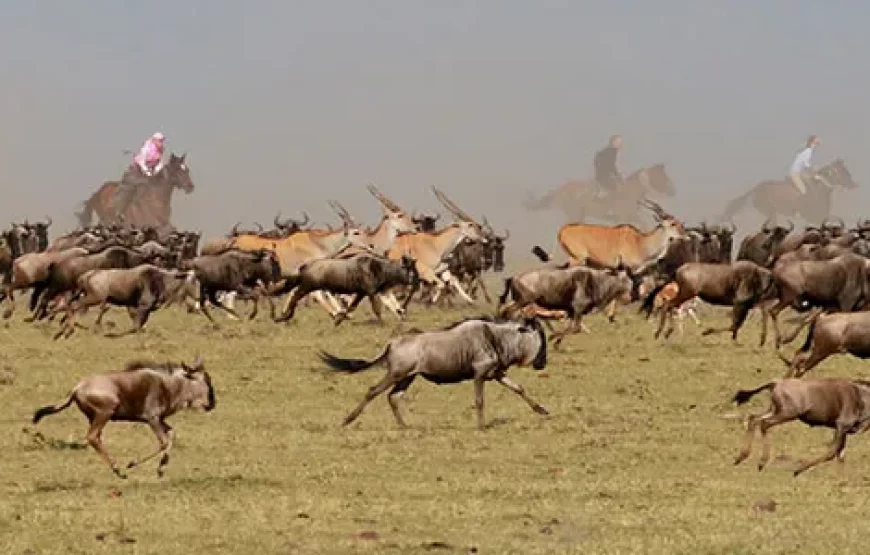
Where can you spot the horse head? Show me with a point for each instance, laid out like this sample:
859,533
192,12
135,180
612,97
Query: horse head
657,180
178,173
838,175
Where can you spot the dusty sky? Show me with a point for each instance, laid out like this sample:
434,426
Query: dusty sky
285,104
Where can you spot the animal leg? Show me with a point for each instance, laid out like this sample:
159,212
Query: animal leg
342,316
290,308
163,441
385,384
838,445
141,318
751,424
98,422
518,389
104,307
765,423
804,366
397,392
572,328
375,301
809,318
478,402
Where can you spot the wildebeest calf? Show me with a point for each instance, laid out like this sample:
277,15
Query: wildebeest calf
144,392
473,349
837,403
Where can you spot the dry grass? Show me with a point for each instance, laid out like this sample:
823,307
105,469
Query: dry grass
636,457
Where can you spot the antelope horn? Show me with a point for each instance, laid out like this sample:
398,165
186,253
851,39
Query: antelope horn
507,234
387,203
452,207
277,220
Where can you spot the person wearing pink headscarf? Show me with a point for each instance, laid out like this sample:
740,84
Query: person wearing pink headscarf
146,164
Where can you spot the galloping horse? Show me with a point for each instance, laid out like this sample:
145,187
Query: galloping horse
151,205
577,198
774,197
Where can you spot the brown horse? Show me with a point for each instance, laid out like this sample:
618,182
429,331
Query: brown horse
151,205
577,198
774,197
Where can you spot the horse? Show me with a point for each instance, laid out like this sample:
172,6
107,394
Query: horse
576,198
774,197
151,204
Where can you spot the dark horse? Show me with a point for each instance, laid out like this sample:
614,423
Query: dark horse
577,198
151,204
774,197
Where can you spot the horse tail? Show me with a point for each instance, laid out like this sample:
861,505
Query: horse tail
736,205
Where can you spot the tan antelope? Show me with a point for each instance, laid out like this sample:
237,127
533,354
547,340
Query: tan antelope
431,249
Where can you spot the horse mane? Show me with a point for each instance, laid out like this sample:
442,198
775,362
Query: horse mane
142,364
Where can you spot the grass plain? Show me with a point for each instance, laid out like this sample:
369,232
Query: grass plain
635,457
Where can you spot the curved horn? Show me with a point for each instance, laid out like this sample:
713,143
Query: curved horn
507,234
790,226
235,230
49,220
259,227
765,227
841,221
307,219
387,203
277,220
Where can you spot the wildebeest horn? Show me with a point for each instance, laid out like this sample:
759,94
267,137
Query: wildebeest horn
235,229
307,219
732,228
507,234
198,364
790,226
277,220
452,207
387,203
259,227
765,227
49,220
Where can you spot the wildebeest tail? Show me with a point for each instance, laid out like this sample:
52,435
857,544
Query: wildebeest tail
744,395
52,409
352,365
808,342
540,253
650,300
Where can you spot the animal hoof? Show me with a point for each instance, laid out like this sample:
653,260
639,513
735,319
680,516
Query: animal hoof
131,465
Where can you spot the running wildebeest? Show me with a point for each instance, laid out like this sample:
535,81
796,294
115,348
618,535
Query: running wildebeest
830,334
362,275
578,290
244,272
145,392
741,285
142,290
838,403
760,247
477,349
840,284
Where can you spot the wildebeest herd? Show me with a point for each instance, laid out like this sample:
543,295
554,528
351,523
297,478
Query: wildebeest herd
821,272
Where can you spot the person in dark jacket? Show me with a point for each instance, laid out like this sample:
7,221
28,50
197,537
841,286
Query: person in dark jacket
607,175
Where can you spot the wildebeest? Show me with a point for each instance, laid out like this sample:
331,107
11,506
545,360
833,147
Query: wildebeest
63,275
243,272
363,275
578,290
476,349
425,222
760,247
830,334
837,403
29,270
840,284
145,392
142,290
741,285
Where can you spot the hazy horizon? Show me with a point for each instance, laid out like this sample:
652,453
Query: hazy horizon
285,105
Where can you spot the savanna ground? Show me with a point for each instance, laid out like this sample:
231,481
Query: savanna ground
635,458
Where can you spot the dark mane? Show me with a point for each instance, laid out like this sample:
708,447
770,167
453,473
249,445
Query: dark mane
483,318
134,365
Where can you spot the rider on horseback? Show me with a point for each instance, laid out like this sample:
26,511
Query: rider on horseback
146,164
802,168
607,175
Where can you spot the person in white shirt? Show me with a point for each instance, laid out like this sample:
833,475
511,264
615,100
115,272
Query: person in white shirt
802,167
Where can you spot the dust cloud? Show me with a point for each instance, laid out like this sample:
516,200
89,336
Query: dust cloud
284,105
